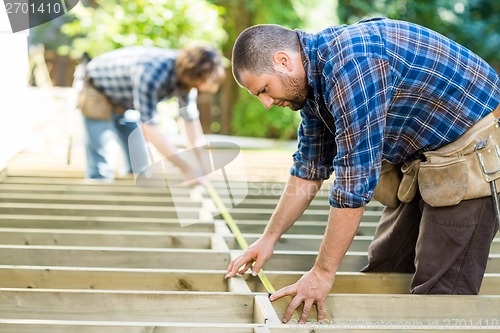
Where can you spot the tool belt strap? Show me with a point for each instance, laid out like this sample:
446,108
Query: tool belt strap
460,170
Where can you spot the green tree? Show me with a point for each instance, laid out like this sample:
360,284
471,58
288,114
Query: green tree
163,23
472,23
245,114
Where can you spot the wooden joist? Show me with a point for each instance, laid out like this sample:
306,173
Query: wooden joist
86,257
130,306
112,238
105,223
114,257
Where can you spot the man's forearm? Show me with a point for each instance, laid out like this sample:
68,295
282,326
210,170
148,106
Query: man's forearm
194,133
340,231
294,200
153,134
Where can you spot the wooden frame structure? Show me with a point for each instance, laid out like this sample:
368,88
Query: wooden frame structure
80,256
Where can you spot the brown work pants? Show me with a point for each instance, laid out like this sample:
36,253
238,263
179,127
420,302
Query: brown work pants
446,248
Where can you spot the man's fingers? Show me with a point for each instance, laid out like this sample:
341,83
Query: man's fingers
239,265
285,291
229,271
306,311
294,304
257,267
320,308
243,269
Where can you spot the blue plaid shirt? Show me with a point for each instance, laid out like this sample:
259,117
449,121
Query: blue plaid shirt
384,89
138,78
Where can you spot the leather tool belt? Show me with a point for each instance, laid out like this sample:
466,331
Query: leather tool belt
460,170
94,104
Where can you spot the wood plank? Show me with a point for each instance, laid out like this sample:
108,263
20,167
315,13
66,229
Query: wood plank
99,200
122,306
92,210
106,278
301,227
102,222
405,311
363,283
309,215
201,280
304,260
264,312
170,258
99,237
353,261
113,257
10,186
290,242
65,326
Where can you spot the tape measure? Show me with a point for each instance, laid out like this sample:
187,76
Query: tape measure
237,233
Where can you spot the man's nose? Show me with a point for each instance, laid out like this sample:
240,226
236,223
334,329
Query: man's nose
266,101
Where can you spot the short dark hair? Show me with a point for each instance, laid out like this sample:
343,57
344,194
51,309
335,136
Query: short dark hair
255,47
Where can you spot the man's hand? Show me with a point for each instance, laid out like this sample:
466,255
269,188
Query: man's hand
311,289
259,252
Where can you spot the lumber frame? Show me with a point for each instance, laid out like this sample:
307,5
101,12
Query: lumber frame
112,238
127,306
87,257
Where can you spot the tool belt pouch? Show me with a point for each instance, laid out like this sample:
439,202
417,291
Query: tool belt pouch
409,184
94,104
387,187
462,169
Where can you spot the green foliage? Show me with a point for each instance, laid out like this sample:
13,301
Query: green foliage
472,23
162,23
250,118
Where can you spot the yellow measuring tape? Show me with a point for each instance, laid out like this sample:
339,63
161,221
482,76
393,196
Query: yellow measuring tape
237,233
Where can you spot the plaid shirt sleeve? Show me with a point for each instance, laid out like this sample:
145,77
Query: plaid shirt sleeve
316,149
146,85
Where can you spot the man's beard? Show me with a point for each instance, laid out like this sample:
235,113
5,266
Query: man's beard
295,91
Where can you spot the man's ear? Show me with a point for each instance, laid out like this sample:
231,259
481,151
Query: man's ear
283,61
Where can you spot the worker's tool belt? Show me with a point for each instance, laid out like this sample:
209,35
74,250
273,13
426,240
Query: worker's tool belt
461,170
94,104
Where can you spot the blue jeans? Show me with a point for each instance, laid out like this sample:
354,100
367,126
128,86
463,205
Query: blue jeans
99,146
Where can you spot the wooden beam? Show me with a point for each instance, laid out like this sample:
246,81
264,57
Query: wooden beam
106,278
126,306
310,214
304,260
364,283
113,257
99,200
93,210
301,227
111,238
65,326
308,242
170,258
102,222
11,186
404,311
264,312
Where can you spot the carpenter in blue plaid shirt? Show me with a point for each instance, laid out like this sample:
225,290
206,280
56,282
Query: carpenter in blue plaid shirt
377,91
137,79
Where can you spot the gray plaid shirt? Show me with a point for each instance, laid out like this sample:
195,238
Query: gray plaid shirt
139,77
